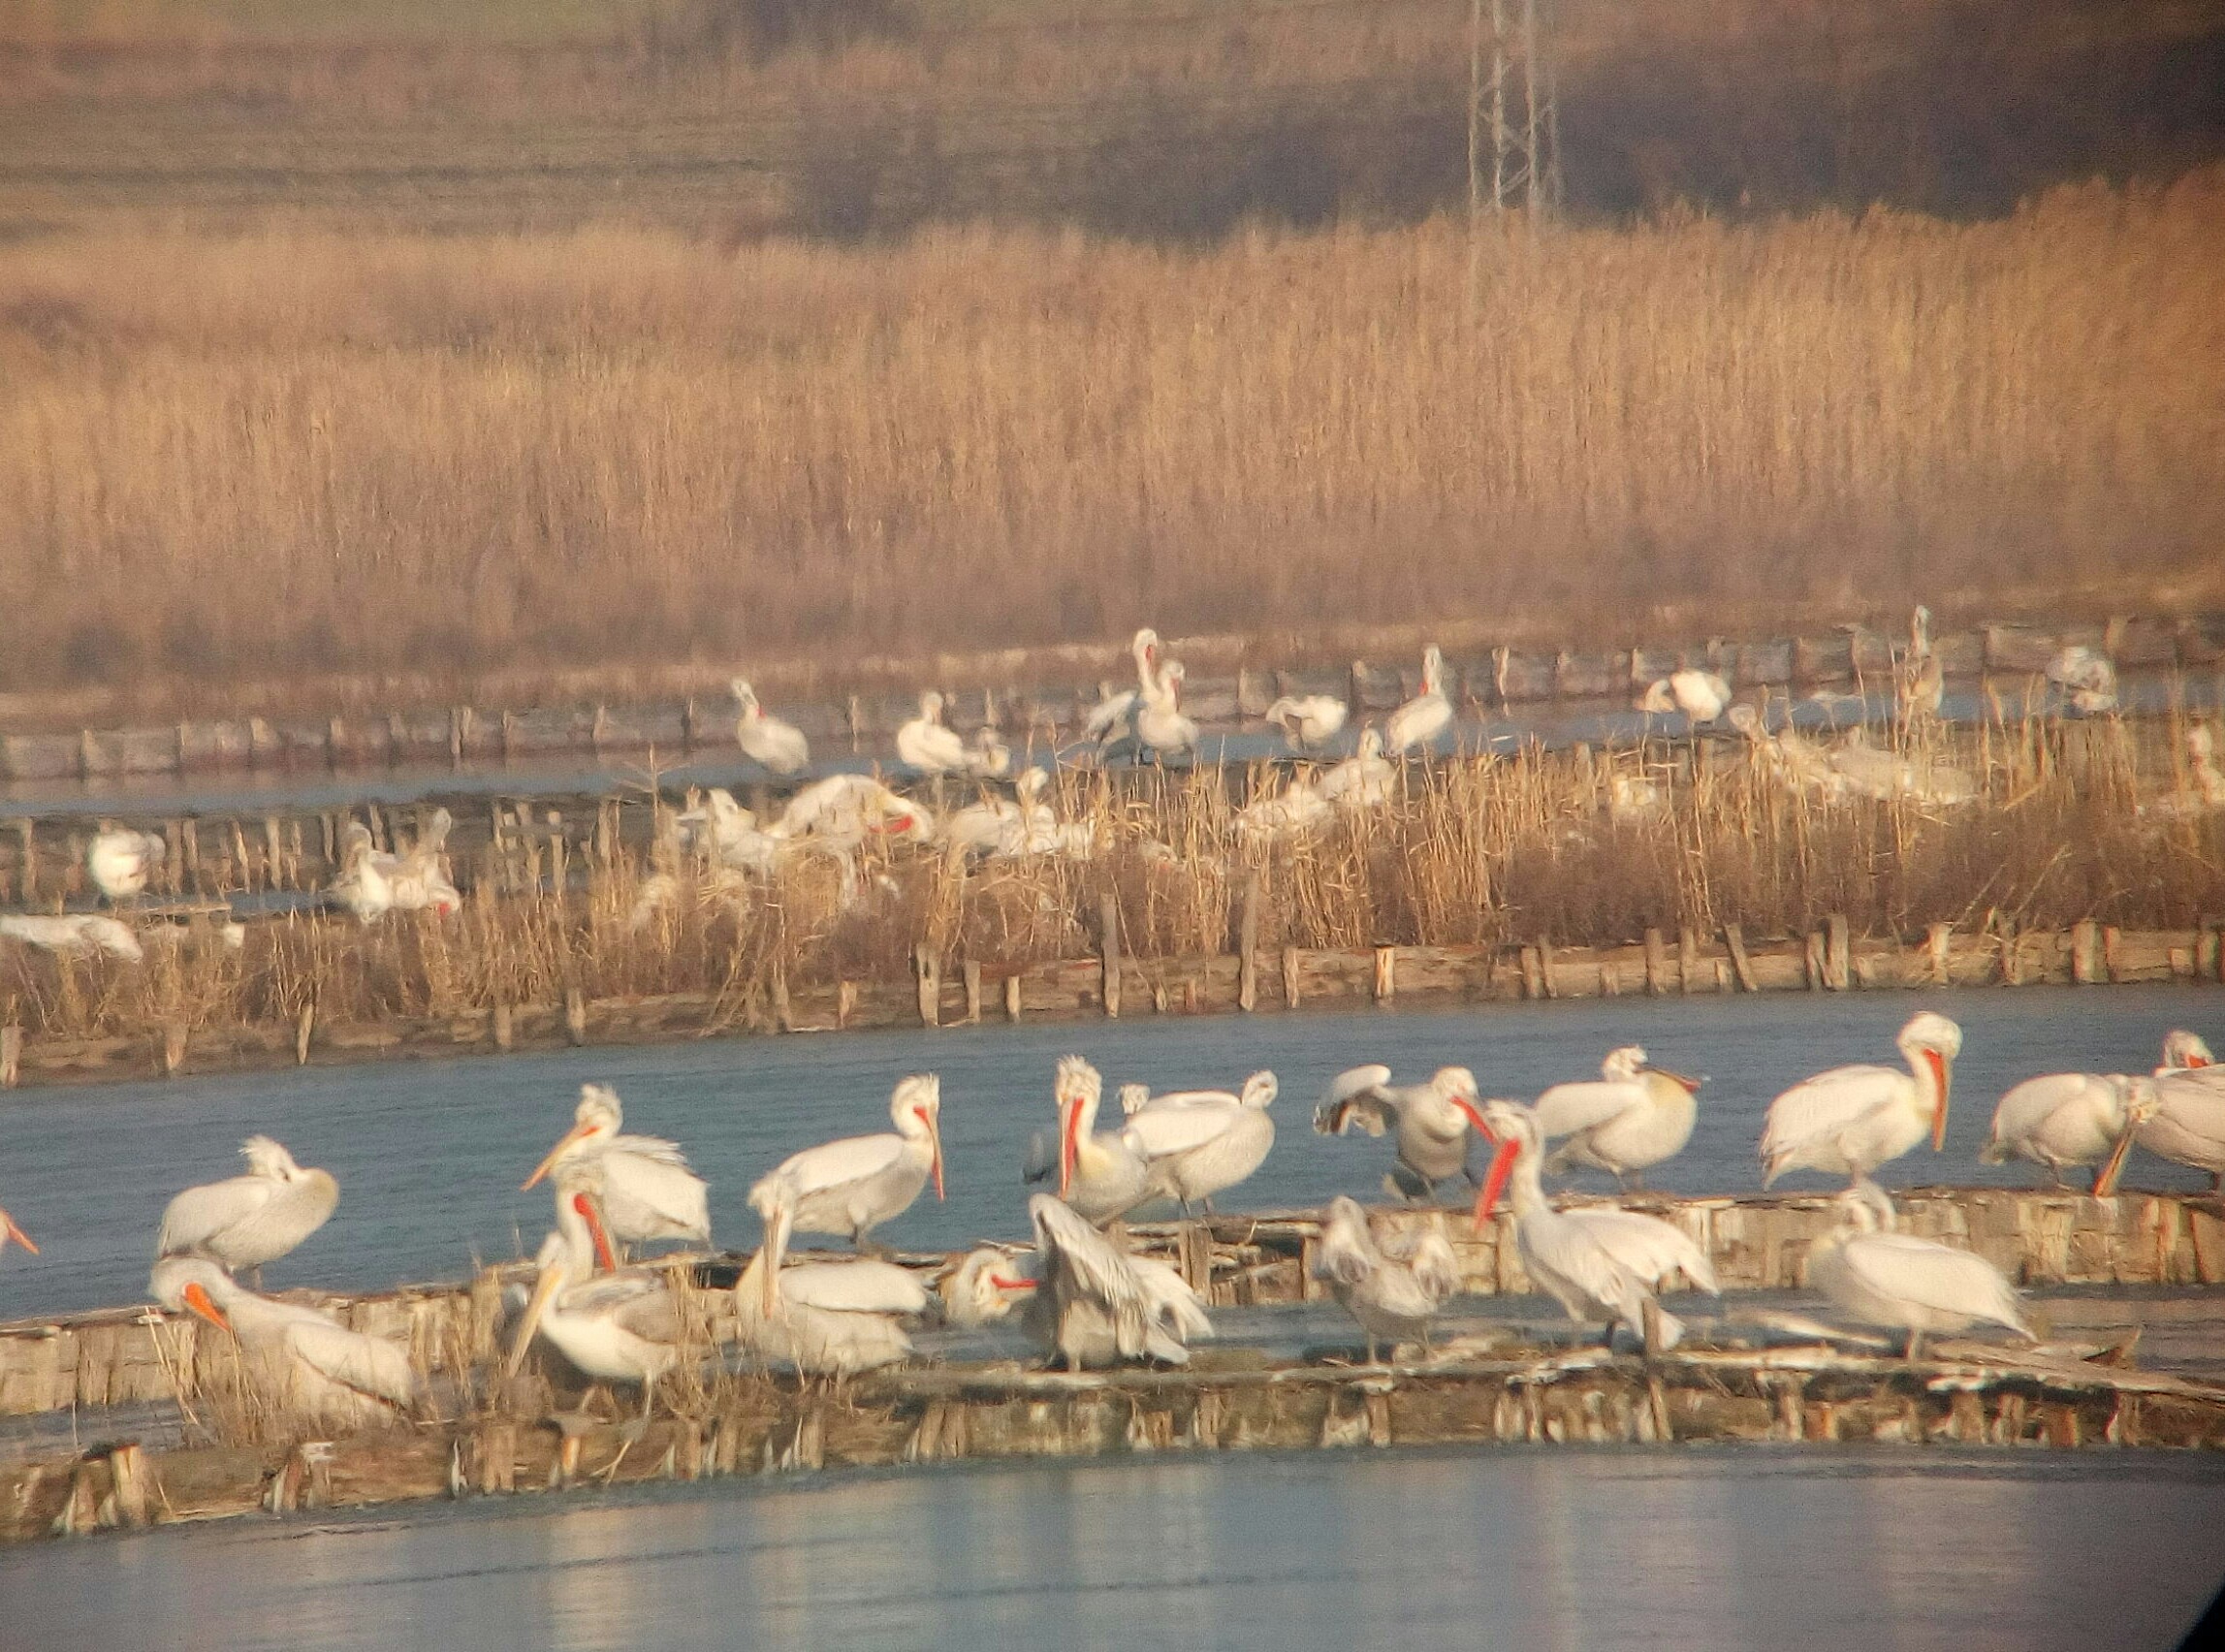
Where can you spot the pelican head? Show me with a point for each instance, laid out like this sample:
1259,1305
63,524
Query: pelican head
916,1107
1080,1087
746,695
196,1286
1431,670
1932,1042
1170,678
1515,1130
1031,784
268,1158
1866,1208
1260,1091
1919,630
1133,1098
1457,1085
931,705
1659,697
596,1119
1370,742
1623,1064
1145,647
2185,1049
1748,721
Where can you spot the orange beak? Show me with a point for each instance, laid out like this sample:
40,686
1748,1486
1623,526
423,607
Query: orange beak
1495,1182
199,1302
577,1132
1004,1284
1939,1080
2106,1178
1070,1143
935,1135
1474,1117
11,1231
604,1253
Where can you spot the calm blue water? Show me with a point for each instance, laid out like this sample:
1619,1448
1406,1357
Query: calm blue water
430,1154
1563,1549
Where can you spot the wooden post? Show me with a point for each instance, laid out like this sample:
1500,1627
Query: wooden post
505,1029
2086,964
783,1013
132,1481
1386,973
173,1048
1247,947
1546,967
1611,980
1655,964
2209,952
2012,959
2113,952
172,855
192,834
1812,960
1012,996
10,1055
1687,960
974,992
30,859
1290,977
1108,951
1940,938
845,1002
576,1013
1839,954
929,970
305,1028
1533,974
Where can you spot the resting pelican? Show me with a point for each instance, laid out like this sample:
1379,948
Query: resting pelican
2087,676
73,932
1796,762
1393,1288
1160,724
1853,1118
299,1360
926,745
2072,1118
1113,717
121,861
852,1185
1419,723
621,1326
2184,1049
8,1231
1894,1280
372,882
766,740
1297,810
730,835
645,1188
1095,1305
1432,1120
1363,780
247,1220
1202,1142
2189,1123
828,1319
1104,1177
1700,695
1874,771
1597,1263
980,827
1308,720
1632,1118
987,1284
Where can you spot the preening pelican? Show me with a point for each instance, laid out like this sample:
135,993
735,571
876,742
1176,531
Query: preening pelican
1431,1119
1853,1118
8,1231
2184,1049
1632,1118
373,882
299,1361
1202,1142
1881,1277
247,1220
926,745
988,758
988,1284
1097,1306
1160,724
1297,810
1417,724
1363,780
646,1188
73,932
828,1319
766,740
2087,676
1104,1176
841,812
621,1326
2072,1118
1598,1264
852,1185
1308,720
1393,1287
122,861
1113,717
1700,695
2189,1123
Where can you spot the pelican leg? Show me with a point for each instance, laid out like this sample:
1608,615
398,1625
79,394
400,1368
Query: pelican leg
1915,1347
1634,1183
1208,1203
255,1277
866,1245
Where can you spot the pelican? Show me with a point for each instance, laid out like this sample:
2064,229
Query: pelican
1853,1118
2072,1118
1797,763
1598,1263
2207,794
8,1231
1104,1177
1393,1288
772,743
1095,1305
828,1319
1113,717
1293,812
1432,1120
1133,1098
852,1185
73,932
620,1326
986,1285
1632,1118
1633,797
2087,676
1703,697
1894,1280
926,745
363,885
2184,1049
372,882
1429,713
247,1220
646,1188
1202,1142
841,812
1308,720
121,861
1363,780
297,1360
1160,724
1873,772
988,758
2189,1123
730,835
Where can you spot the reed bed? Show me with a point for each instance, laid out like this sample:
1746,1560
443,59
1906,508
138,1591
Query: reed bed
1476,851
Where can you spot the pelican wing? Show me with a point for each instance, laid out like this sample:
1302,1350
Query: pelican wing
1170,1303
1109,715
1346,1255
199,1214
1825,1105
2030,1105
1428,1256
836,1164
1934,1276
854,1288
649,1193
1567,1108
369,1365
1358,1099
1649,1248
1158,1132
1093,1271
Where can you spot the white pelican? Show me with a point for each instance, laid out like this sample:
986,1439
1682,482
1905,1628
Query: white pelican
2087,676
1633,797
1432,1120
247,1220
1902,1282
121,861
926,745
1160,724
1393,1288
729,835
1104,1177
2184,1049
1297,810
372,882
8,1231
1095,1305
1308,720
841,812
1005,827
1363,780
1429,713
1113,717
1700,695
1631,1117
620,1326
852,1185
1598,1263
1853,1118
2072,1118
777,746
1796,762
73,932
2189,1123
830,1319
1202,1142
2206,795
1874,771
646,1188
299,1361
987,1284
988,758
363,885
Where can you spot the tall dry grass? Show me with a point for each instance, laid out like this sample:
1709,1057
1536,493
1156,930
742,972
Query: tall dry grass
222,459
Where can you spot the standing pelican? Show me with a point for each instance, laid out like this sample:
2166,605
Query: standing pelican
828,1319
121,861
852,1185
1393,1288
1432,1120
988,758
1853,1118
926,745
1598,1264
777,746
2072,1118
1160,724
1206,1141
8,1231
1894,1280
1419,723
1633,1117
1113,717
247,1220
1364,780
1104,1177
730,835
1308,720
1095,1305
1703,697
621,1326
2189,1123
647,1190
299,1361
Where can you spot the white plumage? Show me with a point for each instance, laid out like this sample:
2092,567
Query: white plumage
1419,723
247,1220
1364,780
2072,1118
926,745
1853,1118
1102,1176
777,746
122,861
1633,1117
828,1319
1893,1280
2189,1123
1700,695
1097,1306
1200,1142
1161,726
1431,1120
1393,1287
644,1185
620,1326
73,932
1308,720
